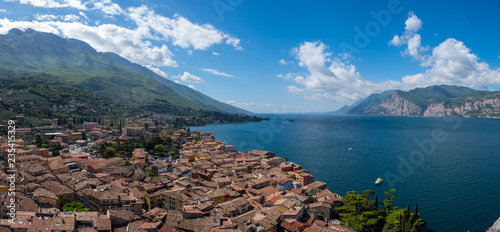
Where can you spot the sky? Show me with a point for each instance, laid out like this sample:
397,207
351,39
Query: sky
283,57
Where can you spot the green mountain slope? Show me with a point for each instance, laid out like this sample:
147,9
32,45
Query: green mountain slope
77,63
43,96
434,94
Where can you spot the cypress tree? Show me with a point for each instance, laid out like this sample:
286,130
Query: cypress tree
415,212
375,201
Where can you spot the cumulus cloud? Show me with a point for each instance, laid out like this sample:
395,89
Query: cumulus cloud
330,77
411,38
215,53
452,63
188,77
334,78
180,30
191,86
213,71
156,70
413,23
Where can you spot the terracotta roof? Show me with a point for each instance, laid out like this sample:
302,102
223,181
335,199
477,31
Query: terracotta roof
103,223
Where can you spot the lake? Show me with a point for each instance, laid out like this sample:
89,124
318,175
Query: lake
449,166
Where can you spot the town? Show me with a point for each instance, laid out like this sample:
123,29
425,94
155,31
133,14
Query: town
150,176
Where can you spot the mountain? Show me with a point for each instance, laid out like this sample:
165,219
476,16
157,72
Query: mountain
372,100
433,101
107,74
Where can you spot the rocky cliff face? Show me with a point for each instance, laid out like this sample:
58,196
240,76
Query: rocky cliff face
395,105
432,101
487,108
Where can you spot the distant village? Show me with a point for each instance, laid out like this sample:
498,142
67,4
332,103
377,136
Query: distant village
206,186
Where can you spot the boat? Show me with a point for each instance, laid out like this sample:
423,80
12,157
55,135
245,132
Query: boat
378,181
291,120
349,149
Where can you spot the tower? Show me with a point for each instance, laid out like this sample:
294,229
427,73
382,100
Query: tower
126,128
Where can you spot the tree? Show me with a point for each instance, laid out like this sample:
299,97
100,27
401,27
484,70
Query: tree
388,202
74,206
159,148
356,213
38,140
400,220
109,152
368,193
151,174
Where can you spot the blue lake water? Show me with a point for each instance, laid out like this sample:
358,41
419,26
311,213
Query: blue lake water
454,174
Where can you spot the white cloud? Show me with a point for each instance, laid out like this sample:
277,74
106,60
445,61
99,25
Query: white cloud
177,81
191,86
213,71
180,30
83,15
330,78
215,53
71,17
3,10
452,63
283,62
290,76
188,77
413,23
77,4
156,70
295,90
46,17
411,38
108,7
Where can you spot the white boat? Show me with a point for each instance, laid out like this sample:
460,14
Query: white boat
378,181
349,149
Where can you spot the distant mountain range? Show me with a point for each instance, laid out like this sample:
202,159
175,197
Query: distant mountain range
432,101
108,74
